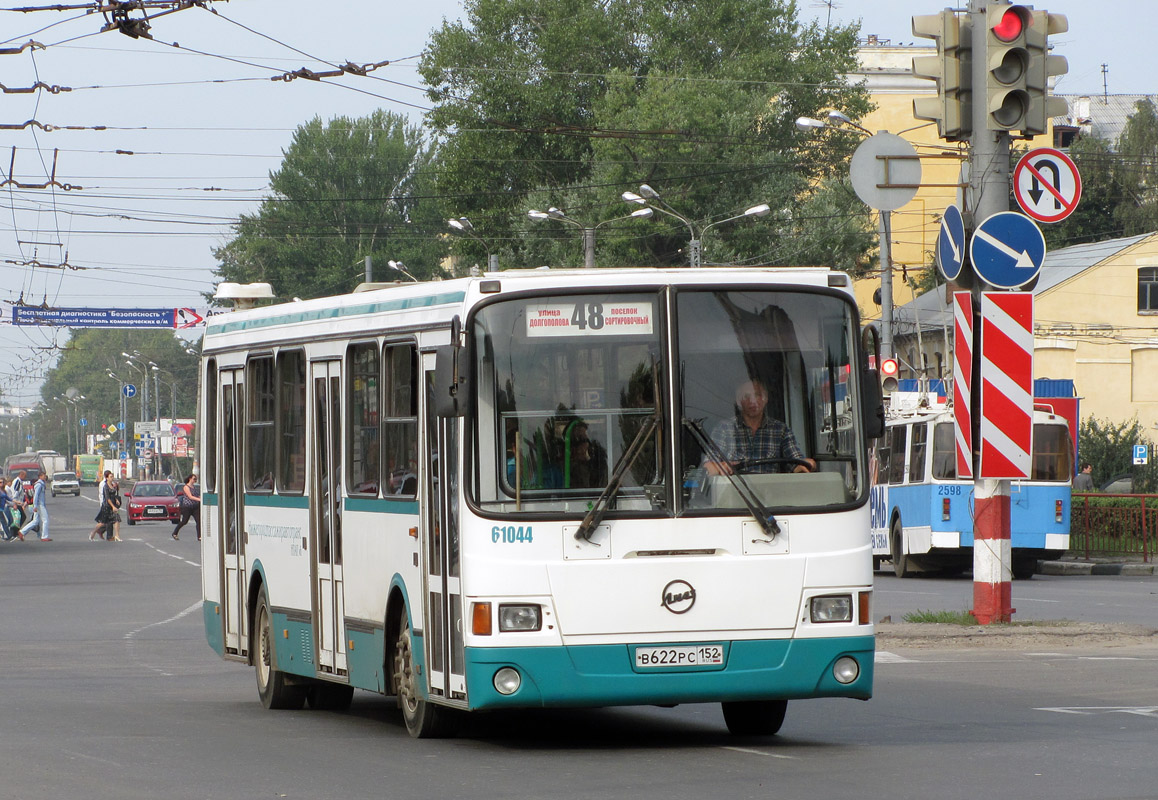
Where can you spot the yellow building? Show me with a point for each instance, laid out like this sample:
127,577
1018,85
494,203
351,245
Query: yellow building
887,72
1095,323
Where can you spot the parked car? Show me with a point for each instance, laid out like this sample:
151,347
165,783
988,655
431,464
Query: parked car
1119,484
64,483
152,501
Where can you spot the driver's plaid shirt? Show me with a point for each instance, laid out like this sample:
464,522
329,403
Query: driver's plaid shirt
773,439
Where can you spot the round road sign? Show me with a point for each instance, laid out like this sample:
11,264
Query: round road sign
1047,185
885,171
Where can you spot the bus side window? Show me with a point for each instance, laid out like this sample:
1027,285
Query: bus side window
897,444
944,452
400,420
917,456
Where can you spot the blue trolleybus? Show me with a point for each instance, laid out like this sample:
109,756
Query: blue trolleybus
922,514
494,493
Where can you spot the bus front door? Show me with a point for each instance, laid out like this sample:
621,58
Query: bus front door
445,657
231,509
326,518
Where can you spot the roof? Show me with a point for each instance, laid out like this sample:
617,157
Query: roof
932,310
1103,115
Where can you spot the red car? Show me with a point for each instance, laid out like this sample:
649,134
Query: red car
150,501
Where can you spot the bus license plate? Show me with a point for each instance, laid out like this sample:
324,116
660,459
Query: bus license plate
682,656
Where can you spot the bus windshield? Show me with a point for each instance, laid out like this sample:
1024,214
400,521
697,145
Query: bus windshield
566,385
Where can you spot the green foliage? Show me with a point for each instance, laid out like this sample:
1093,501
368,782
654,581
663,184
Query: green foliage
84,365
569,104
941,617
1119,184
345,190
1108,447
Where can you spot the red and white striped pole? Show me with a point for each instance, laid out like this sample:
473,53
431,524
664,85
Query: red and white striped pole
1006,434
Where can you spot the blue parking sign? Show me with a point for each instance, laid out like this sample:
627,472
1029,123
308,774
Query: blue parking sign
1141,454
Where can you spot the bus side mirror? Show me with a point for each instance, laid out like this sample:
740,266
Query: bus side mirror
450,383
873,405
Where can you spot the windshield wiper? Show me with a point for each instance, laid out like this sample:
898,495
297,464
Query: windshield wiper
763,516
626,461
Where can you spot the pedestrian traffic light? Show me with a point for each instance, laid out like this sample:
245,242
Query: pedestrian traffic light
952,69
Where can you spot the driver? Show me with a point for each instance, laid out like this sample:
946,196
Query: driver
753,436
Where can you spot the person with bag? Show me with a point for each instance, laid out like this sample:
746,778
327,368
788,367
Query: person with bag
5,512
112,522
102,504
40,510
190,505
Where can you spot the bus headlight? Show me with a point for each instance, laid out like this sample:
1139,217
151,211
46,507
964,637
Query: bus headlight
507,680
846,670
520,618
833,608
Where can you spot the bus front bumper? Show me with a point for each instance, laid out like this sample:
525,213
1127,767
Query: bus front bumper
606,675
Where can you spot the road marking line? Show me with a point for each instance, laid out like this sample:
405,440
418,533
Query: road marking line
131,640
885,657
750,751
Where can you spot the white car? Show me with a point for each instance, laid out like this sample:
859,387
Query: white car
64,483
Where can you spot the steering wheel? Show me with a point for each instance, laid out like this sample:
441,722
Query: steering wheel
747,465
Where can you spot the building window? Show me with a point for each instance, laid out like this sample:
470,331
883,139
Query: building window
1148,289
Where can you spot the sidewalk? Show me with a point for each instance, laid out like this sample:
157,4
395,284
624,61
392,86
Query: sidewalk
1097,566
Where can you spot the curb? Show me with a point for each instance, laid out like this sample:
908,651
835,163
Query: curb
1090,568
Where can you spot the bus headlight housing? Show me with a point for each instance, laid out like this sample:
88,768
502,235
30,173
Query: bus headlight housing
831,608
520,618
507,681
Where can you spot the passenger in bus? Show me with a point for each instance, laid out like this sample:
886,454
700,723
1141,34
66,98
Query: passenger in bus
752,436
587,464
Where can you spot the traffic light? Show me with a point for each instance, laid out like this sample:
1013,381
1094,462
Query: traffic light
890,368
1019,68
952,69
1042,67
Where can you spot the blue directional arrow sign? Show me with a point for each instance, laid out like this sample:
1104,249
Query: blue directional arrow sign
128,390
1007,250
951,243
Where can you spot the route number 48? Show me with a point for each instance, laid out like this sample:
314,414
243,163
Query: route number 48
588,315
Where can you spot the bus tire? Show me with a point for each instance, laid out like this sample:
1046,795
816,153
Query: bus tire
424,720
325,696
901,566
273,687
754,717
1024,568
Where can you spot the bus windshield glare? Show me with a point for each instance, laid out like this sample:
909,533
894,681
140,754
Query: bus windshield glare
566,384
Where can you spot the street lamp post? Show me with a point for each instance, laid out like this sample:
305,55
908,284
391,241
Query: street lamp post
121,394
464,226
695,246
587,230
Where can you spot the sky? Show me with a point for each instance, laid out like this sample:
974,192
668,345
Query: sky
177,136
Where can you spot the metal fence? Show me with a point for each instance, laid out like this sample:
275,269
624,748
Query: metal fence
1119,525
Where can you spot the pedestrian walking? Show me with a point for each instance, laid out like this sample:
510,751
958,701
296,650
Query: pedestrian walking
6,532
102,503
113,511
190,504
39,520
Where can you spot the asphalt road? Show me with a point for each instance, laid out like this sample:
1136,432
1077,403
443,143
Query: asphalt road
110,691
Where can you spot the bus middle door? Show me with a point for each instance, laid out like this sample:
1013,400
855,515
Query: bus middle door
234,578
445,655
326,517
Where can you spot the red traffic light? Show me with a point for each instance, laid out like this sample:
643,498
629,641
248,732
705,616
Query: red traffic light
1012,24
889,367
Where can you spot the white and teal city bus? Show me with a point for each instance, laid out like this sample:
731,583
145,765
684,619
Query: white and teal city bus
490,493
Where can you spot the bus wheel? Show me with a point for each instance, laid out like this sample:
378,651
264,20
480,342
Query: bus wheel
323,696
423,719
272,686
901,566
754,717
1024,568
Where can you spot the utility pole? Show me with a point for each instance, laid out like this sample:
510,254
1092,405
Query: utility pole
992,71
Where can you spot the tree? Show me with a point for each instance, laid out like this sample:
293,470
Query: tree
345,190
1119,184
569,104
1108,447
88,356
